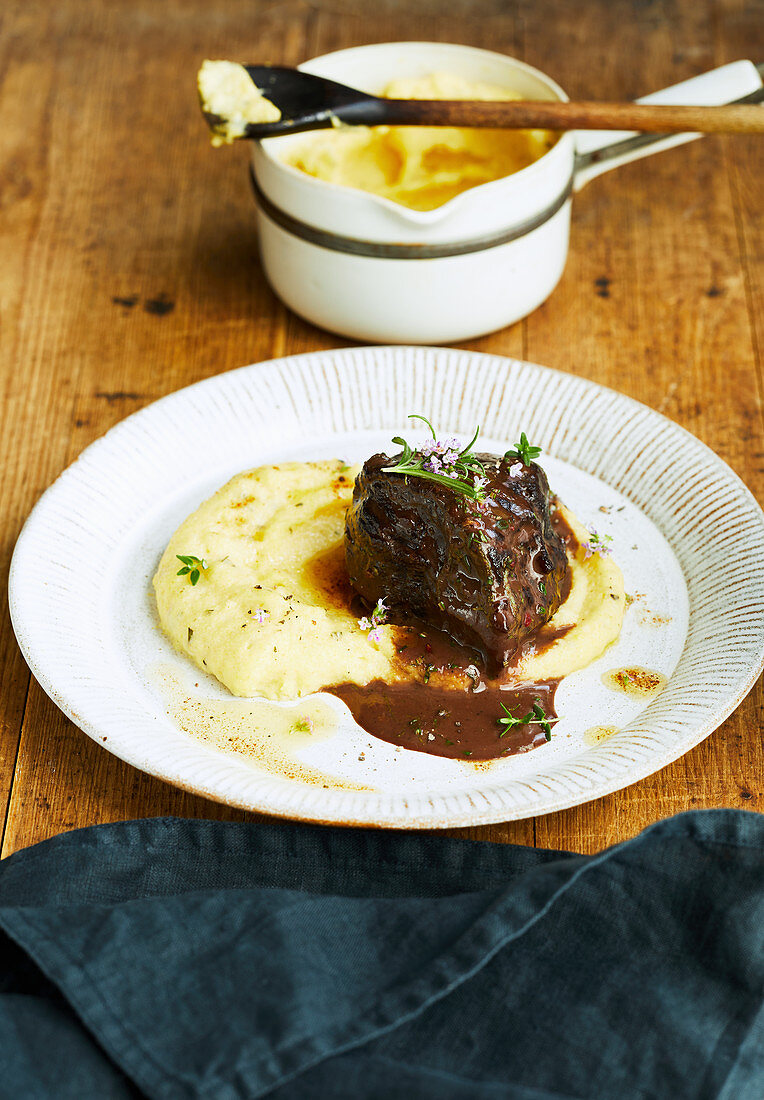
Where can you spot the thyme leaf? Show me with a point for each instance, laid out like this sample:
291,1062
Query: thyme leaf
192,567
535,717
523,451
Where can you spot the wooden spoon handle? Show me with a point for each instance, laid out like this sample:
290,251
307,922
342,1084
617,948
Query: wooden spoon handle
540,115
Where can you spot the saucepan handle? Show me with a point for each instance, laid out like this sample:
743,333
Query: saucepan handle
598,151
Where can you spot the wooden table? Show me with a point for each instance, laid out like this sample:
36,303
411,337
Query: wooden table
130,269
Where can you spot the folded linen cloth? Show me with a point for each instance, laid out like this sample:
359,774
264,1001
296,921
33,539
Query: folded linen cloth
184,959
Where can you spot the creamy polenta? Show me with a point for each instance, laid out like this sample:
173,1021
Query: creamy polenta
269,614
421,167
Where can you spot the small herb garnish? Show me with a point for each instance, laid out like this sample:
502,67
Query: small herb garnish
192,567
523,451
597,544
302,725
373,622
443,462
534,717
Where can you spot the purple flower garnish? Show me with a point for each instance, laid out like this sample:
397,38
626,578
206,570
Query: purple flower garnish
304,724
373,622
597,544
441,460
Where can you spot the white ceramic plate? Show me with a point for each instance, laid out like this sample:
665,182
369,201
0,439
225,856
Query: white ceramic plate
686,532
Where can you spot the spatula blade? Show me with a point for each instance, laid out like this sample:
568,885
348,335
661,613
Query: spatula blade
307,101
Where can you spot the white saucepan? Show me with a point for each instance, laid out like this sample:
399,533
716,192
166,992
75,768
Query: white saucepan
363,266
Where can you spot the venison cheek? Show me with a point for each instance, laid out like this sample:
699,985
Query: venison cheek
488,574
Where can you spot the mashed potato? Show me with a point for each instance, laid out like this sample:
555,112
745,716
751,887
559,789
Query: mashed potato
421,167
269,614
226,90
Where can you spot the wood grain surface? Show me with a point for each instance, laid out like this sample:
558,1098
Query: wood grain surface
129,269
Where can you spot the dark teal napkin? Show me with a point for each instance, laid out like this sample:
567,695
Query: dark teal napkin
183,959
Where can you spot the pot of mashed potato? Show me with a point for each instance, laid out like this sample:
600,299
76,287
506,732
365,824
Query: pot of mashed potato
430,236
416,234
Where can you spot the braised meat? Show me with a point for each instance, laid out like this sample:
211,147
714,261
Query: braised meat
488,572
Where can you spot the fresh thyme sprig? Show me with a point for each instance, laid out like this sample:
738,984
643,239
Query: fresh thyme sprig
441,461
523,451
192,567
534,717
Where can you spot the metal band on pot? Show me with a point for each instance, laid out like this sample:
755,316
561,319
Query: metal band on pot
381,251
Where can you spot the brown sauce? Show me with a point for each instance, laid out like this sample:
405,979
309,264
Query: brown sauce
442,701
540,641
449,722
563,530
